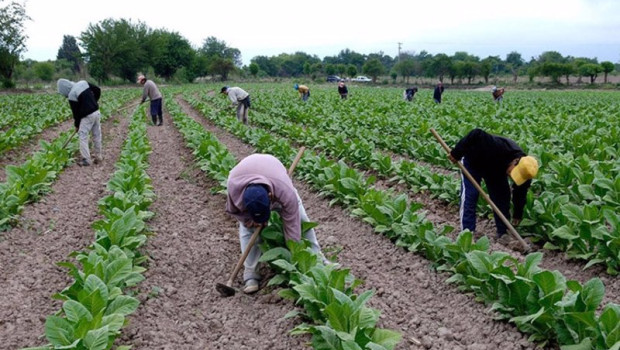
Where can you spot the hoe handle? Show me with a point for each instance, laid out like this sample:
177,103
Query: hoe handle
69,139
235,271
297,158
471,179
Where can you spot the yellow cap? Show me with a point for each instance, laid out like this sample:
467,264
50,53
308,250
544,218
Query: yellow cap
525,170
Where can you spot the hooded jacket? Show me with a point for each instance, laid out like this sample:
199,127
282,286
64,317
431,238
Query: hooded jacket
83,98
490,155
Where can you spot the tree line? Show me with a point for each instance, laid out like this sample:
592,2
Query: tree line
120,49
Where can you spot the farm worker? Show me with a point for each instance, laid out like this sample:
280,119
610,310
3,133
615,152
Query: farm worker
493,158
240,99
342,90
258,184
498,94
437,93
409,92
304,91
152,92
83,98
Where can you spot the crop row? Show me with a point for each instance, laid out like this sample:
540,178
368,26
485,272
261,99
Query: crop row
340,317
540,302
27,182
95,305
574,207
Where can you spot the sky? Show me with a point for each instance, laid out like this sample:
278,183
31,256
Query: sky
579,28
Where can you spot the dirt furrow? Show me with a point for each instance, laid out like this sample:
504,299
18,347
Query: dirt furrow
194,247
48,231
412,297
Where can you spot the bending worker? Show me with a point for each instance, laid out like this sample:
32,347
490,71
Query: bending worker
239,98
493,158
304,91
258,184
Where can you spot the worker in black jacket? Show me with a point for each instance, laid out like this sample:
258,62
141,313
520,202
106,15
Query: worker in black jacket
493,158
83,98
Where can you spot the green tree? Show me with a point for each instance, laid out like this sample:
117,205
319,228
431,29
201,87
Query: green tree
470,70
514,62
551,57
405,68
254,69
374,68
115,48
440,66
44,70
221,66
553,70
70,52
12,39
607,67
351,70
221,59
590,70
266,64
330,69
174,53
487,65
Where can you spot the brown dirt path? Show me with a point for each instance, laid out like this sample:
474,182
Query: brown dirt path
195,246
412,297
48,231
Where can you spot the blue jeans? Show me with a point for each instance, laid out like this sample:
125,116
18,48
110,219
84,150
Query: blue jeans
499,192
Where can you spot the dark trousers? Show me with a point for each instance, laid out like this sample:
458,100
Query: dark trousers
499,191
157,111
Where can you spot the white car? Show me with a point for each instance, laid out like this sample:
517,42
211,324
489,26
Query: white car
362,79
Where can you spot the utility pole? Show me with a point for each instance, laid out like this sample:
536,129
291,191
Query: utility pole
399,51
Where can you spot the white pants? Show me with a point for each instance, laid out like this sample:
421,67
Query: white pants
251,262
88,124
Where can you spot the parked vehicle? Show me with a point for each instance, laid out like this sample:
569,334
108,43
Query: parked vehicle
333,78
361,79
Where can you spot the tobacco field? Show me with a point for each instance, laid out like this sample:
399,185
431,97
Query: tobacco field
126,254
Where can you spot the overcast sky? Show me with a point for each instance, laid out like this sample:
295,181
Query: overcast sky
580,28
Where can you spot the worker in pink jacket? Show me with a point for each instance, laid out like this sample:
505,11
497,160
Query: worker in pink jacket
257,185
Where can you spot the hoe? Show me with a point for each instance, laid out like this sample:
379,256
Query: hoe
226,289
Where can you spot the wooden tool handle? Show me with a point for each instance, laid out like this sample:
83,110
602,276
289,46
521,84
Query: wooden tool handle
244,256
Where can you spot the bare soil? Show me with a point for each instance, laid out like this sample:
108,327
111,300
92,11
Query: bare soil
195,245
48,232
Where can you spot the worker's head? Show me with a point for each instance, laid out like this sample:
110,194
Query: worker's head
64,87
141,79
341,84
257,203
224,90
494,88
525,169
296,86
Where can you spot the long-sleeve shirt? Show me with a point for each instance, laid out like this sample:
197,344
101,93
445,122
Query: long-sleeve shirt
266,170
83,99
151,91
236,94
303,89
437,92
490,156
